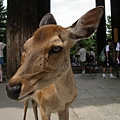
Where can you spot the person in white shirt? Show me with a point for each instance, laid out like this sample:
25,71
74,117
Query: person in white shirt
2,45
82,59
118,52
108,62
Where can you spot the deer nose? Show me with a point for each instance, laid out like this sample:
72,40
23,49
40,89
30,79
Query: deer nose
13,92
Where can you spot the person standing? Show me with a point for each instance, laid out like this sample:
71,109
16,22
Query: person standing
118,52
92,62
2,45
108,62
82,59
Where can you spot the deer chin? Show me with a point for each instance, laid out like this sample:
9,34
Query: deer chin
25,97
27,90
40,82
22,97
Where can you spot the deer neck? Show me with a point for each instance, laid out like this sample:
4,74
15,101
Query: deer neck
66,86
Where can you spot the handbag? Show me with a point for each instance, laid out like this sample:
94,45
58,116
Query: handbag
102,56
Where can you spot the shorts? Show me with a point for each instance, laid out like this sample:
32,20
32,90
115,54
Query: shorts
1,61
82,64
111,63
93,63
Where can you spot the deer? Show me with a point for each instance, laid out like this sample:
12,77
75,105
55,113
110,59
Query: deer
46,74
26,102
34,106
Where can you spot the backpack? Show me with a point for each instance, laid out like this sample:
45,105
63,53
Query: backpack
91,58
102,56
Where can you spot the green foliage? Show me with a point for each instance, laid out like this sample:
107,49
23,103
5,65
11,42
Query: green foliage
73,50
108,27
91,41
88,43
3,22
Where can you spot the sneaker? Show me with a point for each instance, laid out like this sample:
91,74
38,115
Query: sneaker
111,76
104,77
83,72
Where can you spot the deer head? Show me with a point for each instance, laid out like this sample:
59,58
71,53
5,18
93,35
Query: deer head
46,56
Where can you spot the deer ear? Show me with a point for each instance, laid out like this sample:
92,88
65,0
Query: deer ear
87,24
47,19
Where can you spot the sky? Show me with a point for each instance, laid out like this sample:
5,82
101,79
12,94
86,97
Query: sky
66,12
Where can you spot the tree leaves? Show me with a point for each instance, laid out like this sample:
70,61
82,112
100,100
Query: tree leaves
3,22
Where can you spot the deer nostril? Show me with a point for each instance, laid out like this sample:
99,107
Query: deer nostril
13,92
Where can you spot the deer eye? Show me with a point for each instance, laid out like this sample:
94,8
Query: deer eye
55,49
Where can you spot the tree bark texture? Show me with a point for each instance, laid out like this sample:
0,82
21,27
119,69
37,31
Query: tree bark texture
23,19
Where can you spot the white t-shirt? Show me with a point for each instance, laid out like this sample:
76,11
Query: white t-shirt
82,53
107,48
2,45
118,46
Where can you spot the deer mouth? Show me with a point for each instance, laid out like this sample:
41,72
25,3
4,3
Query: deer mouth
28,89
26,96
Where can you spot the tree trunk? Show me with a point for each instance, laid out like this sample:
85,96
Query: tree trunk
101,31
22,21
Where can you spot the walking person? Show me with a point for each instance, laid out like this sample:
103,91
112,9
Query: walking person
118,52
118,58
2,45
108,62
82,59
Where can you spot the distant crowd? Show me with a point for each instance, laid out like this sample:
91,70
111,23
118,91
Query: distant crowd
86,58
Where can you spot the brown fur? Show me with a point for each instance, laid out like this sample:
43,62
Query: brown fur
34,106
46,75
